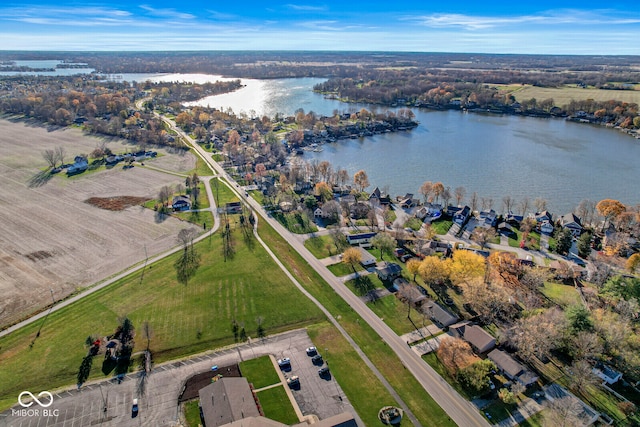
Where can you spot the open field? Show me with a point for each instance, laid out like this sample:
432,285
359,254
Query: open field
51,241
184,319
562,96
259,372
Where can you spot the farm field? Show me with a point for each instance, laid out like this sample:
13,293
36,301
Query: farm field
564,95
184,319
51,241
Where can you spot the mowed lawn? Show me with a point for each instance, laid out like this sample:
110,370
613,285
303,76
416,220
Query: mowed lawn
184,319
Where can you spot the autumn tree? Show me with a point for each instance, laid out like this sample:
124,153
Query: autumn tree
426,189
361,180
609,209
433,270
465,265
455,354
352,257
438,190
323,190
633,263
413,266
384,242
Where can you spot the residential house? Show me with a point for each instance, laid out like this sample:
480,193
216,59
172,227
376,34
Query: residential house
362,239
181,203
608,374
585,414
488,218
462,215
80,164
431,247
511,368
429,211
407,201
480,340
389,272
506,230
513,219
546,227
375,195
542,216
367,260
571,222
439,315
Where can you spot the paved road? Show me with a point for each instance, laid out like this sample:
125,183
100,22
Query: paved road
461,411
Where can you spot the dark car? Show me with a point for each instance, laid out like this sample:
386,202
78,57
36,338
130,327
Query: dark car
317,360
134,408
323,372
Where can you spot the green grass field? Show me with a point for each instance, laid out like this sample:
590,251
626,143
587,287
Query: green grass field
342,269
184,319
320,246
421,404
277,406
441,226
394,313
561,294
296,222
260,372
202,168
222,193
192,413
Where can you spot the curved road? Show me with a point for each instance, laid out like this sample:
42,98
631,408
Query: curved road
461,411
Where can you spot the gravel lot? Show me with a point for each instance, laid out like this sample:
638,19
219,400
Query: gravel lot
50,240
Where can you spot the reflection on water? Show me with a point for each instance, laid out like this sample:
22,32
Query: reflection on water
560,161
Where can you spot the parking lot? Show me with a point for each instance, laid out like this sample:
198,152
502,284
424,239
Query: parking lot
315,395
108,403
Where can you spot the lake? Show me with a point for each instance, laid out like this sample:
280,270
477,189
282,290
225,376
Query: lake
494,155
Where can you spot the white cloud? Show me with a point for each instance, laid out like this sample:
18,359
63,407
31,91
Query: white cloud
307,8
166,13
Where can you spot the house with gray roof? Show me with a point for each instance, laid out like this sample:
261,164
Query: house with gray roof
480,340
439,315
512,368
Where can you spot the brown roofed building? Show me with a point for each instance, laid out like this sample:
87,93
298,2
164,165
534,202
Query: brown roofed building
480,340
227,400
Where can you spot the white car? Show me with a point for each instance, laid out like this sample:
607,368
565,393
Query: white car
284,361
311,351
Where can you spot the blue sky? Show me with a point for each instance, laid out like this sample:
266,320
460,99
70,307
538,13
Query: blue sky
543,27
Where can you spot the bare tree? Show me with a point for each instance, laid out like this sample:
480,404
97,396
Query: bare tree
524,206
483,235
164,194
540,204
507,204
459,193
60,153
50,157
189,261
474,202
